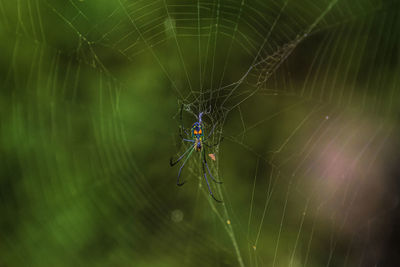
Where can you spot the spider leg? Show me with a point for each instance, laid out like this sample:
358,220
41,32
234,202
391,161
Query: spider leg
171,163
209,172
208,184
217,143
181,135
212,130
181,125
188,140
180,169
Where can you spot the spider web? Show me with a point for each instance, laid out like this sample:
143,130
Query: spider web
303,92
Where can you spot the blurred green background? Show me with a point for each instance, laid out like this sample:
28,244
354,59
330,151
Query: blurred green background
305,94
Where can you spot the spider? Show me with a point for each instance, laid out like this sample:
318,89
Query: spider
197,141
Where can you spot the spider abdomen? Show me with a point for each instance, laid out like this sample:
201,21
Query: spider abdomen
197,131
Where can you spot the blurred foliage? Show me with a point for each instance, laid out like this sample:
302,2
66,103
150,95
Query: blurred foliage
89,103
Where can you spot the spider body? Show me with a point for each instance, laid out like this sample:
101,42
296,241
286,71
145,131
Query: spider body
198,142
197,135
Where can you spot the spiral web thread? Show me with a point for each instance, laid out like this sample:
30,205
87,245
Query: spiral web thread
244,51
